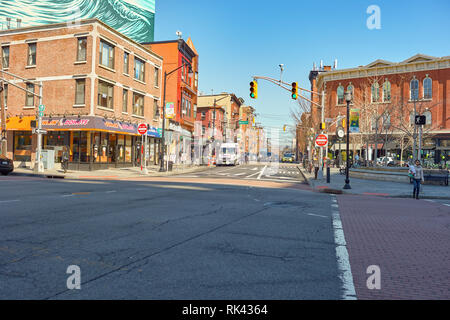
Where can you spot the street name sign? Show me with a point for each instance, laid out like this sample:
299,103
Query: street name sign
321,140
243,122
142,128
41,108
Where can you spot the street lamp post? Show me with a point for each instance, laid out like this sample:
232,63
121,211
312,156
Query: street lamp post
166,74
348,98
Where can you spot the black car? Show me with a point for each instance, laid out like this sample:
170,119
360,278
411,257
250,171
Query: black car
6,165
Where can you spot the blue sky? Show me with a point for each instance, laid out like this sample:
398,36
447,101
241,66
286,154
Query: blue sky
237,39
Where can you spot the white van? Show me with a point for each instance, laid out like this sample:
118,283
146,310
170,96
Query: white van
228,154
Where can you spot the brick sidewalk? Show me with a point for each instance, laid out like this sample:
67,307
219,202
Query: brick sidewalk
408,239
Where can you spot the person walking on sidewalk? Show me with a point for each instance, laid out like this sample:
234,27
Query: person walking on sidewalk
65,159
417,175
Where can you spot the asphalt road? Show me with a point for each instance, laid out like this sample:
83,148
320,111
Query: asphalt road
185,237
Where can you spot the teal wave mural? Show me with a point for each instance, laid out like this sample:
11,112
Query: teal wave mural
134,18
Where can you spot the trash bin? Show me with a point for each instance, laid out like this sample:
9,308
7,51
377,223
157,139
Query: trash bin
170,166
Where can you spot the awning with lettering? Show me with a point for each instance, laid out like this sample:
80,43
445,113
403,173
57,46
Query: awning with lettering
88,123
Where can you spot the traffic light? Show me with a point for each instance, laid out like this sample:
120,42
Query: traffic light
284,128
294,90
343,123
322,126
254,89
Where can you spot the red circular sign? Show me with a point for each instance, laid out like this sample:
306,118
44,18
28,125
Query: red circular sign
321,140
142,128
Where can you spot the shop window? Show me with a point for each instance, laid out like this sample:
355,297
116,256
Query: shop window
5,55
128,146
105,95
106,54
22,146
138,104
81,49
29,100
139,69
80,86
126,62
120,148
31,61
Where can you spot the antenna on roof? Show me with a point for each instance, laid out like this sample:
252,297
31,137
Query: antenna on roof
179,34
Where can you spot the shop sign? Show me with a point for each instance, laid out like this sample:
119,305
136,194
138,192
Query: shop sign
354,120
87,123
170,110
154,132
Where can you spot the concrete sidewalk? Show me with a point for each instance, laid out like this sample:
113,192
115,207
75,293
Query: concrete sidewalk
112,173
373,187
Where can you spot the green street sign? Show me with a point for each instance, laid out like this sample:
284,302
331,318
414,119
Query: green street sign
41,114
243,122
41,107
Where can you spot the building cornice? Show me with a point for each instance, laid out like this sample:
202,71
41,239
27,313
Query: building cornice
384,69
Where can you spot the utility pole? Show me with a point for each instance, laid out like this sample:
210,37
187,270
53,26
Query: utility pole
322,116
39,166
4,143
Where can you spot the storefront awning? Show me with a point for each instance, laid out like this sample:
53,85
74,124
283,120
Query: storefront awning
19,123
88,123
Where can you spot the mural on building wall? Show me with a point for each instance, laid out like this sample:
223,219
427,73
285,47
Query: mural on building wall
134,18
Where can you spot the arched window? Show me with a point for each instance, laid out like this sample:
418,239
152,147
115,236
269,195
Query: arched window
427,88
414,89
386,91
350,89
340,95
427,115
375,92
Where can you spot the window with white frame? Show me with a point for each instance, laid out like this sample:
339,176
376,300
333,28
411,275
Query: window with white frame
155,109
375,92
340,95
139,69
138,104
105,95
31,61
29,98
126,62
203,115
156,77
106,54
5,95
125,101
427,115
414,89
427,88
81,49
5,55
386,91
80,88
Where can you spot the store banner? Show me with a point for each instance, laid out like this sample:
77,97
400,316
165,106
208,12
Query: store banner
170,110
87,123
154,132
354,120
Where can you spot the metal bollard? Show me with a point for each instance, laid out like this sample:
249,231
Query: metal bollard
328,175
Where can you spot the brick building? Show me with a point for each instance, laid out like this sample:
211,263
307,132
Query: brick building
231,105
97,86
385,94
181,90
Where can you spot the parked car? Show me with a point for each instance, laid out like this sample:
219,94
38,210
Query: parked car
287,157
6,165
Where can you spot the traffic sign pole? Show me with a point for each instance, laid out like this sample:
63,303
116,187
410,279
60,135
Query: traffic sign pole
142,130
39,167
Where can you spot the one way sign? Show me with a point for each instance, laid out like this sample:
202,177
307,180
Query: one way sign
420,120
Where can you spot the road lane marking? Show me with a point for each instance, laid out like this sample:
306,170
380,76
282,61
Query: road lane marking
240,174
316,215
252,175
343,260
80,193
262,172
67,195
254,169
112,191
446,204
6,201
